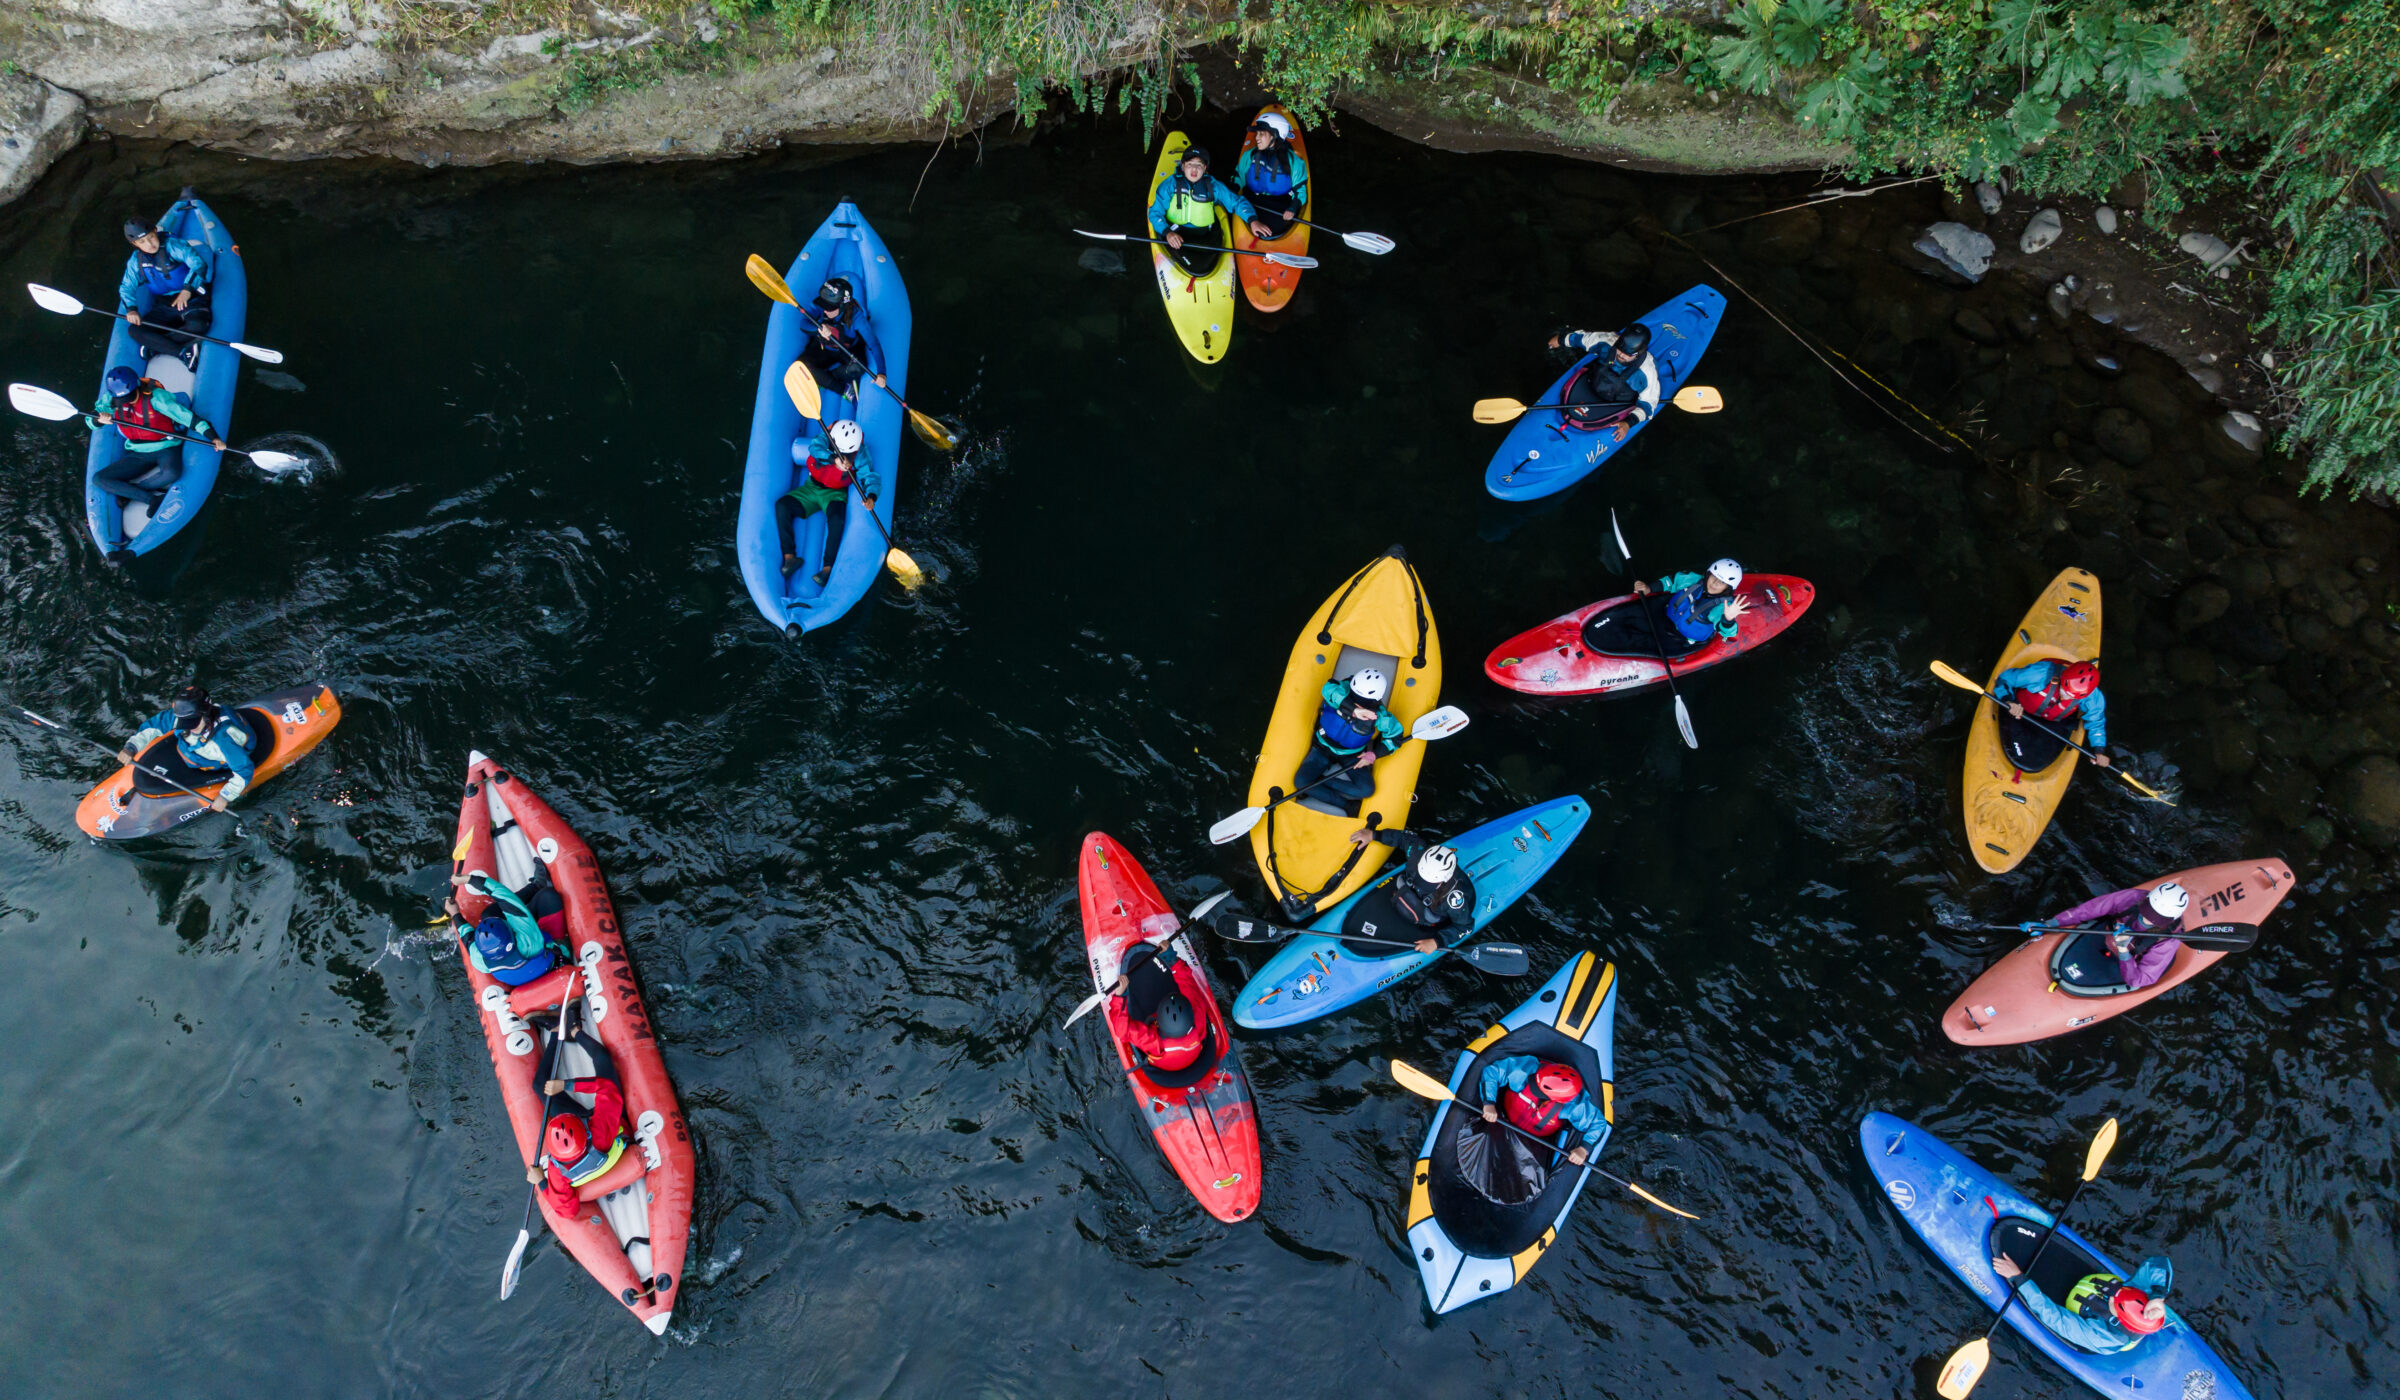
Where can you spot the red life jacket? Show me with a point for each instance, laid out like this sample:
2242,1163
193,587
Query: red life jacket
830,474
2056,700
1532,1110
143,421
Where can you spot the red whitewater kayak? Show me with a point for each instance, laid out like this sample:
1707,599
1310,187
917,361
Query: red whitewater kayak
1202,1115
2060,982
636,1217
1555,659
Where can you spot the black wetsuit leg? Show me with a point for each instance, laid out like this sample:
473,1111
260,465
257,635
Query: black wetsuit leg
152,334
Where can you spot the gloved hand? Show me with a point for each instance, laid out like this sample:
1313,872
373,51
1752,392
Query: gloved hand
2030,927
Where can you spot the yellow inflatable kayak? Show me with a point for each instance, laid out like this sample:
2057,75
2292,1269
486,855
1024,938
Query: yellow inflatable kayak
1200,307
1379,618
2007,811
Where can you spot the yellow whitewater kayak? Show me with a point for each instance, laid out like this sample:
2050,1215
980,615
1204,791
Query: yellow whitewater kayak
1200,307
2007,811
1378,617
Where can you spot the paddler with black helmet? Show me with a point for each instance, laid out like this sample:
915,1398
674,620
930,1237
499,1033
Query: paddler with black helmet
172,276
1160,995
2056,694
208,739
1186,206
838,346
1273,176
1620,387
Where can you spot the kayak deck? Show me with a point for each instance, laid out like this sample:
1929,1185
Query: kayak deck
1544,453
1552,659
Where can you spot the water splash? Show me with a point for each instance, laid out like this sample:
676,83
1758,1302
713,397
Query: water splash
317,460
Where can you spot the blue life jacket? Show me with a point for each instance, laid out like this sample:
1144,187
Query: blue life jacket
1265,177
162,276
1684,611
1337,732
494,953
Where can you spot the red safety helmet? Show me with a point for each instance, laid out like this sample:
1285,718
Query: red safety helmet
566,1138
2080,679
1558,1083
2132,1308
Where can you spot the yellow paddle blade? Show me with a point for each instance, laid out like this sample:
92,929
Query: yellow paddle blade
1698,398
903,568
764,277
1964,1368
2102,1141
2141,787
1418,1082
1950,673
931,432
802,386
465,843
1662,1205
1498,410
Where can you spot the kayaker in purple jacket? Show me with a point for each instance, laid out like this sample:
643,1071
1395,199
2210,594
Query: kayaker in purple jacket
2138,928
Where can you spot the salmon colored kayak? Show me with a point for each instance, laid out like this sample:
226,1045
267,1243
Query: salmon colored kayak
2031,994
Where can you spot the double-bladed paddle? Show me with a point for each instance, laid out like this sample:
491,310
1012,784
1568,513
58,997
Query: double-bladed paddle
1683,712
929,429
1692,398
1418,1082
1092,1003
2215,938
137,766
558,1042
39,402
1298,260
1499,959
52,299
1965,1366
1950,674
1374,243
810,400
1435,724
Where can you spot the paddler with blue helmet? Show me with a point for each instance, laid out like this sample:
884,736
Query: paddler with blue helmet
152,421
1353,730
1186,205
169,276
1273,176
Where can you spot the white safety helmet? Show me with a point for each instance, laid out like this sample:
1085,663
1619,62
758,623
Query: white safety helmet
2170,900
1727,572
848,437
1437,865
1276,122
1370,684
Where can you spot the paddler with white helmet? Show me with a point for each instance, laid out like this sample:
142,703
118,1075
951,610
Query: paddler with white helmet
1273,175
1698,608
825,466
1354,728
1429,903
2139,927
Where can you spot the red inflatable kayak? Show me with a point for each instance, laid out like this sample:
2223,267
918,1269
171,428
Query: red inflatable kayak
637,1215
1202,1116
1552,659
2048,988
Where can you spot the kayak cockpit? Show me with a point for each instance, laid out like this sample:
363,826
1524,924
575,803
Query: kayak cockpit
2062,1265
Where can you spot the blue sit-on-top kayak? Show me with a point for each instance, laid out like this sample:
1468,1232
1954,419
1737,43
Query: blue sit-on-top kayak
1545,452
1315,975
119,527
1966,1215
1468,1245
844,245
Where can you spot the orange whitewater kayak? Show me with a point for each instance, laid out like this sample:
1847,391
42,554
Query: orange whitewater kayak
129,804
2060,982
1269,285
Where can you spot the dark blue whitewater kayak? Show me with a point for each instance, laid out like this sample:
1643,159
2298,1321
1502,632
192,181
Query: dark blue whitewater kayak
1545,452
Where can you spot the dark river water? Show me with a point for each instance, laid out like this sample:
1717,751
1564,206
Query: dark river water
255,1145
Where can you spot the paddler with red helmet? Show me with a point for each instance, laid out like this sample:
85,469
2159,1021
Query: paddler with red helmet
1541,1096
2103,1313
2054,693
579,1144
1160,995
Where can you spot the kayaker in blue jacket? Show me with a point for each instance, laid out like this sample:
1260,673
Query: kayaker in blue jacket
1698,607
145,416
1353,730
837,345
1430,898
516,941
1621,387
210,740
169,276
1187,203
1538,1096
828,464
2103,1313
2056,694
1272,175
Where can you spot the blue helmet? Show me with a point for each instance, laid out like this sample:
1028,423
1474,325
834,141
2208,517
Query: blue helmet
121,382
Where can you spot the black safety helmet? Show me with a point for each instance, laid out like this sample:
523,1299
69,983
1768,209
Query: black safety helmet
834,294
1198,153
1174,1018
1634,339
192,708
137,229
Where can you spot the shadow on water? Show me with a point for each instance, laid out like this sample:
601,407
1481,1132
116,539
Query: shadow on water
258,1143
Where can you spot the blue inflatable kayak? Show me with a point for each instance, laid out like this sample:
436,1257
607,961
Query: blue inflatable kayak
1544,453
133,527
1966,1215
1315,975
1467,1245
844,245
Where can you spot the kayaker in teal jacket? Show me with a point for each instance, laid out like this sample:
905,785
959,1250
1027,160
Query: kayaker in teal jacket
2103,1313
171,277
1353,730
209,739
827,465
1187,203
2057,694
1700,606
145,416
1272,175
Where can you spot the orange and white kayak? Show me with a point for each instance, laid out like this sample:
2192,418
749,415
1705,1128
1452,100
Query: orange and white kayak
287,723
636,1218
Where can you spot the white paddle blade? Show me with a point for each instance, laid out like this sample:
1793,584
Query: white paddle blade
259,353
40,402
1290,260
516,1261
276,461
1439,724
1374,243
1236,826
1683,724
52,299
1087,1007
1499,959
1620,533
1200,911
1964,1368
1112,237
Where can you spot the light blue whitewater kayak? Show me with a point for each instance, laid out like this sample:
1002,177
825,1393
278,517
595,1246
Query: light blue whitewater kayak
844,245
1315,974
1965,1215
135,528
1544,453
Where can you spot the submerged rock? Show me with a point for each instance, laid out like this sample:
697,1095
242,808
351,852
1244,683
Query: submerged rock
1958,248
1106,261
2041,231
2367,794
2235,439
2122,436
